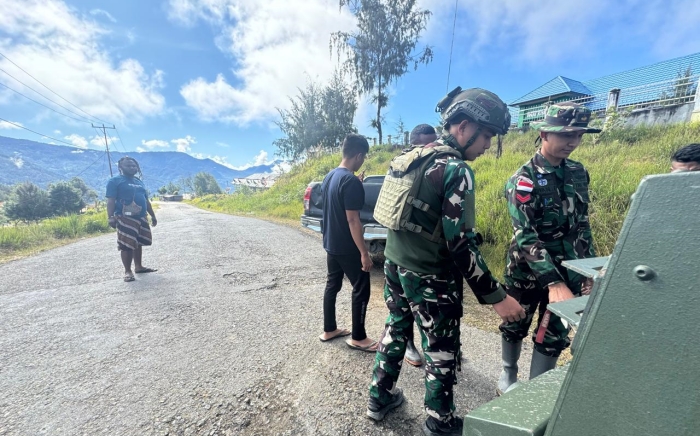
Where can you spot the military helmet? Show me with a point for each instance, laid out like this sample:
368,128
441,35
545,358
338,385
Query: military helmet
565,117
482,106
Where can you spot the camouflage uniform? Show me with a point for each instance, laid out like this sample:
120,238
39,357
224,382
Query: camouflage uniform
548,207
427,291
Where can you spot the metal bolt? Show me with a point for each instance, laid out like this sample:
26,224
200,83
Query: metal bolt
644,273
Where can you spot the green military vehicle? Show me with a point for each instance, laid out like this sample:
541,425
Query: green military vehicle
636,354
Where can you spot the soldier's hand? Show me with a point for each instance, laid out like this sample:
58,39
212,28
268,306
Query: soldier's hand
559,292
587,287
509,310
366,262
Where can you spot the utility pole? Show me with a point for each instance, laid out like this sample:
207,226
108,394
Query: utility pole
104,131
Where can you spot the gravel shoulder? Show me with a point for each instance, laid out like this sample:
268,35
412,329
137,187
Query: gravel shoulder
222,340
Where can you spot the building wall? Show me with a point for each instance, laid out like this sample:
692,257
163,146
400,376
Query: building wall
661,115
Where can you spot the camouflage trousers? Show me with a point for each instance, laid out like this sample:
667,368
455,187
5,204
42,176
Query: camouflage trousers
433,301
534,299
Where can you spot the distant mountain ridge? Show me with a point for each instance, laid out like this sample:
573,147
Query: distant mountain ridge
40,163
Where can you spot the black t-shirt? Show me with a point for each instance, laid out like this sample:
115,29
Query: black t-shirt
341,190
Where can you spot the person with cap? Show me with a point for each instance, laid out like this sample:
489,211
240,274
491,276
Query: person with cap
436,231
548,203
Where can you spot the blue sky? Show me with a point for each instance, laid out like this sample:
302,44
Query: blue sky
205,76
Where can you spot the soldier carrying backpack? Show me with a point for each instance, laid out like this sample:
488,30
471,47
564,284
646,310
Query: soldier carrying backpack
427,203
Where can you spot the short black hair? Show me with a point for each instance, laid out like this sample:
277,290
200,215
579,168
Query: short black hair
421,129
354,144
689,153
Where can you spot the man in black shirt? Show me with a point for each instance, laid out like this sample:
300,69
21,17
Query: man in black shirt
343,197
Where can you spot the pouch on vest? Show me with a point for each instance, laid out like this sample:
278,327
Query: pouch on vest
398,196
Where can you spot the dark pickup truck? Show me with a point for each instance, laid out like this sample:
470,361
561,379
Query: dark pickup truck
374,233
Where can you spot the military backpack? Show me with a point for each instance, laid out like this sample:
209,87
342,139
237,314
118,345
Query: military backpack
398,196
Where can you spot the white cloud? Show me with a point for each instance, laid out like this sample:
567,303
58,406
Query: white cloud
10,126
183,144
270,64
57,132
97,12
154,143
537,30
77,140
99,140
222,144
261,158
63,50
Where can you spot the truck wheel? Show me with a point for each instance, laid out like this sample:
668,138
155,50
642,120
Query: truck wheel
376,253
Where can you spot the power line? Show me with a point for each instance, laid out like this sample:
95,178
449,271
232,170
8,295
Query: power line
120,139
104,131
449,67
42,104
55,93
57,104
40,134
93,163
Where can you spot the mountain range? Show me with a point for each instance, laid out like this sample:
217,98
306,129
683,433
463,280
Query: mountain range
40,163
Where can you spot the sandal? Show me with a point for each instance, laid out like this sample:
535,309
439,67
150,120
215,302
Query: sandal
129,277
145,270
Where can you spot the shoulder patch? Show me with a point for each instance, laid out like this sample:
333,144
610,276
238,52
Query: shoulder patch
524,184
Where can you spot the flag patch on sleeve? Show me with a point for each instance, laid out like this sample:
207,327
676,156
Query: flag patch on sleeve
524,184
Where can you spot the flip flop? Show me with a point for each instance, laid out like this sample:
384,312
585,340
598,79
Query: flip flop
146,270
129,278
343,332
359,348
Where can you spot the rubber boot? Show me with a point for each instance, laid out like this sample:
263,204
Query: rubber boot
412,355
510,353
541,364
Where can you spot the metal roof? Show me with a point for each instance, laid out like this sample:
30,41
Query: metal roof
659,72
557,86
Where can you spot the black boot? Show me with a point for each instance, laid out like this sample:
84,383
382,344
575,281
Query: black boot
434,427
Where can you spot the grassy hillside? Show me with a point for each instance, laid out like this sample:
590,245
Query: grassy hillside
23,239
617,161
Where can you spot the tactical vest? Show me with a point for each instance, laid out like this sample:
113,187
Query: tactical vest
399,194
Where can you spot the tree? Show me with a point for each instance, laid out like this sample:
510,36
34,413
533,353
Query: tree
301,123
65,199
88,195
683,88
318,117
5,192
162,190
187,184
172,188
28,202
382,47
338,107
204,183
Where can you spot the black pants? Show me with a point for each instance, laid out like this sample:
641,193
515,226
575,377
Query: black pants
459,280
350,266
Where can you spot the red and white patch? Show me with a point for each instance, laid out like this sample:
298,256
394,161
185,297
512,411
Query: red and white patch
524,184
523,198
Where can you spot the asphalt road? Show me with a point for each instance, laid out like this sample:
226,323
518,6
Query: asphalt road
222,340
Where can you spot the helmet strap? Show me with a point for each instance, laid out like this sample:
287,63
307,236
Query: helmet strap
472,140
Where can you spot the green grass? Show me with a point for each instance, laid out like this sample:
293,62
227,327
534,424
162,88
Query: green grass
20,239
617,161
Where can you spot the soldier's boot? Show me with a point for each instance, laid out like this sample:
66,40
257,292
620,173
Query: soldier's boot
541,364
435,427
510,353
412,355
377,411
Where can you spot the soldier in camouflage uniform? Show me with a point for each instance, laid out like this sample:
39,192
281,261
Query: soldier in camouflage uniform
419,284
548,205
